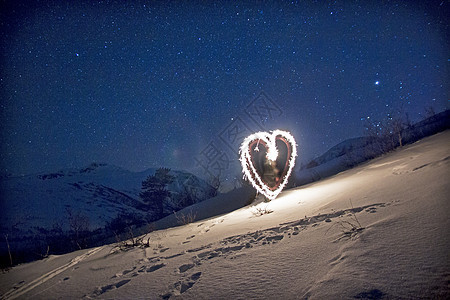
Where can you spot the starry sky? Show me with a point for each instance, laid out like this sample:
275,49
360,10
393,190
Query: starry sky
142,84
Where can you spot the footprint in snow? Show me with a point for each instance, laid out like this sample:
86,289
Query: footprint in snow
19,284
155,267
371,210
109,287
185,267
125,272
174,255
233,246
182,286
372,294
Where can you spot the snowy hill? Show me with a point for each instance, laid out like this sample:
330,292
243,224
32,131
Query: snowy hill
99,190
39,205
352,152
378,231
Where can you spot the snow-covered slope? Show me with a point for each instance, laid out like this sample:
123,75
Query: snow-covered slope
378,231
39,200
339,158
100,191
35,209
352,152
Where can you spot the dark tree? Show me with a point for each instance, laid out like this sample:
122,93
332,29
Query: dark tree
154,190
216,183
79,227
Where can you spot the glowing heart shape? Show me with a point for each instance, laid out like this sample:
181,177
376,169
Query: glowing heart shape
267,160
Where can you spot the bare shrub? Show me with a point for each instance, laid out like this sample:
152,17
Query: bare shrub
387,134
142,241
259,211
185,218
79,227
44,255
9,250
350,226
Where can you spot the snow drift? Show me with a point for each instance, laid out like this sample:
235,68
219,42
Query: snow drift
378,231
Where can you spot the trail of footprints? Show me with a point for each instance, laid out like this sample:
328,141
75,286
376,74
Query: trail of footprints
229,247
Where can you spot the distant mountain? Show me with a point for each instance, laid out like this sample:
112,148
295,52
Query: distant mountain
42,204
100,191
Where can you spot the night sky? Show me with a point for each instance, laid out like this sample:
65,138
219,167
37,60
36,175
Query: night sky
142,84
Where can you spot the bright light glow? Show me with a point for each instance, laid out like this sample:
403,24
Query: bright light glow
272,154
249,169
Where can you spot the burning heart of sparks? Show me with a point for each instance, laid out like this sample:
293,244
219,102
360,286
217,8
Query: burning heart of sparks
267,160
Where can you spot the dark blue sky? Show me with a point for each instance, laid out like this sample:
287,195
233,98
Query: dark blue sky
141,84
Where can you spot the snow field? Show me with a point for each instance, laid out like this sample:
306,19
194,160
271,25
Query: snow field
376,231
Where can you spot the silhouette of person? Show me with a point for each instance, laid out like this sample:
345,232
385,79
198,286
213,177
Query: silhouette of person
270,173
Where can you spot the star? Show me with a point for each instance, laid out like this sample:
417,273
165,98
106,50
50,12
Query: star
118,80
